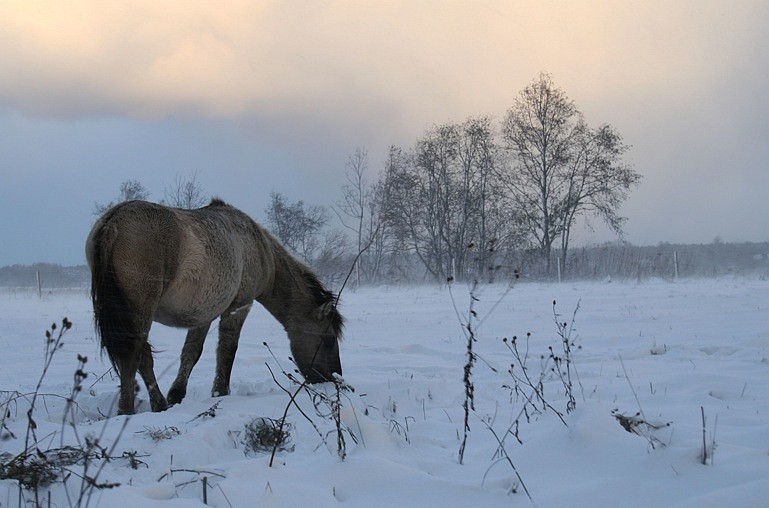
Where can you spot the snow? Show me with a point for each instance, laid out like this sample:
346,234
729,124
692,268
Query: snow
676,349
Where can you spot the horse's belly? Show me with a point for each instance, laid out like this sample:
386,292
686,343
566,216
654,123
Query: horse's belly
184,319
207,281
190,310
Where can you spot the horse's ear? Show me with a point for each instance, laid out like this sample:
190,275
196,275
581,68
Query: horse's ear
327,312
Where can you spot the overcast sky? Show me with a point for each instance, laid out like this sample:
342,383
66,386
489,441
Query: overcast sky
261,96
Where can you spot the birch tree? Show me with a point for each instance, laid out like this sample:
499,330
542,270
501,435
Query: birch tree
560,169
597,180
538,132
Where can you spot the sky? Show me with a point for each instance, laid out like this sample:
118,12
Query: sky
273,96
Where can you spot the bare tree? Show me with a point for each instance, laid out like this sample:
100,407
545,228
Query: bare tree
489,228
436,223
185,193
330,259
561,169
363,210
445,200
394,197
296,225
539,131
355,203
378,239
597,181
129,190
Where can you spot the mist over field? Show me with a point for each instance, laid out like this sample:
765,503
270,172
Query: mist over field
604,263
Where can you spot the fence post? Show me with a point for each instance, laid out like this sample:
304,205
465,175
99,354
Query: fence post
39,286
675,265
559,268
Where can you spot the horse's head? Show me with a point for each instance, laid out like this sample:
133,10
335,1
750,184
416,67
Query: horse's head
315,342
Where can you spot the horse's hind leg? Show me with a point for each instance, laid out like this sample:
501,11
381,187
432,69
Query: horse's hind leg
127,367
146,369
193,347
230,324
128,361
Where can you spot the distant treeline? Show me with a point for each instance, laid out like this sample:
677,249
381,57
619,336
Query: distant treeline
618,261
51,276
634,262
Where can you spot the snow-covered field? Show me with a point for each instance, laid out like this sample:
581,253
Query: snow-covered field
668,350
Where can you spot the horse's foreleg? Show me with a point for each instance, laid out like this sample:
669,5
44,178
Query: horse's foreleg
230,324
146,369
193,347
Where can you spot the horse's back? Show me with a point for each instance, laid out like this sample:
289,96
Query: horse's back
188,265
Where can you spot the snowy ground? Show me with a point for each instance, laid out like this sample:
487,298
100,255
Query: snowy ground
668,350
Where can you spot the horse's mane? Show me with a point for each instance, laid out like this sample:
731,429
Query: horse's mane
323,298
320,294
216,201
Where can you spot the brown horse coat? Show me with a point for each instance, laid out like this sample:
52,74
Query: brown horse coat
185,268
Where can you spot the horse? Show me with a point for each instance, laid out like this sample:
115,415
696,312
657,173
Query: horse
184,268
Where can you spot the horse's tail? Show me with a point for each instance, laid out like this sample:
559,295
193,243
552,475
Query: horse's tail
114,315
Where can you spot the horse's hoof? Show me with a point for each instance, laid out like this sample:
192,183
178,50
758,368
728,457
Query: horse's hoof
220,392
175,396
158,405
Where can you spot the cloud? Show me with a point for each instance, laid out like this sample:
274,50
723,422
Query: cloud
427,59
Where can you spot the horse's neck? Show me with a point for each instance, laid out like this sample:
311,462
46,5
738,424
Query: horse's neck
287,292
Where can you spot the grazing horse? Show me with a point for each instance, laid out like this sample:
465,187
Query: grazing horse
185,268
